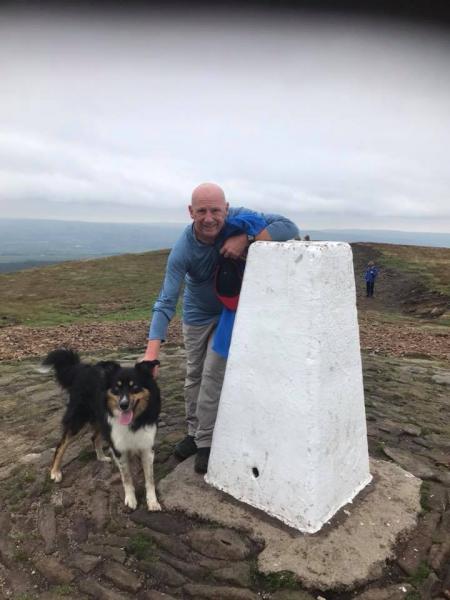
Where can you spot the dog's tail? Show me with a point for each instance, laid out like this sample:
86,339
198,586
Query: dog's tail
63,362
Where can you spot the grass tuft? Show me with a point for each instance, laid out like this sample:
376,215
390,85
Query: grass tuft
65,589
271,582
142,547
420,574
425,490
20,556
413,595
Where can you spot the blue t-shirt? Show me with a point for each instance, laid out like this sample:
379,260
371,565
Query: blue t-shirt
194,263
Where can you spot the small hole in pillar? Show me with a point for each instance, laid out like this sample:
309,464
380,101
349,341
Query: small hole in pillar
255,472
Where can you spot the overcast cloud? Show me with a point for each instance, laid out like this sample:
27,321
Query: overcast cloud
334,122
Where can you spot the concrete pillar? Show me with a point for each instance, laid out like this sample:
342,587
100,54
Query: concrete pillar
290,436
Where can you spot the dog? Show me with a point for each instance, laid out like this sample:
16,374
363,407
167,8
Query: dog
122,406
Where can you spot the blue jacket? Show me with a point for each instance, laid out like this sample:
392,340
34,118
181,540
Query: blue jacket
370,274
193,263
251,224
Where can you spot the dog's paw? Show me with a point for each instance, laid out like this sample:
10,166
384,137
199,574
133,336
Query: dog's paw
104,458
130,501
56,476
153,505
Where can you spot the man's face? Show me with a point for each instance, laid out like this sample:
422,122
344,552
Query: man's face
209,214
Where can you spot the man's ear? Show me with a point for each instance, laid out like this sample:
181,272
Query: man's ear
191,211
147,366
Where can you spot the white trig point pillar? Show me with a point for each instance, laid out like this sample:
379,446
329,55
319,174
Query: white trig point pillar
290,436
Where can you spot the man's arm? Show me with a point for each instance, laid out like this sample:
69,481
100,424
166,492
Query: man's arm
235,245
165,306
152,353
152,350
278,229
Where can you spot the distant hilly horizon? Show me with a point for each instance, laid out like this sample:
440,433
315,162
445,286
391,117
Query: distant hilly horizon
25,243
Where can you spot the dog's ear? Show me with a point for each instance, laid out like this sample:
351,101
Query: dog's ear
109,368
147,366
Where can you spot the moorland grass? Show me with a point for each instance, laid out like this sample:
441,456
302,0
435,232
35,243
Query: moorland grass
430,265
124,288
118,288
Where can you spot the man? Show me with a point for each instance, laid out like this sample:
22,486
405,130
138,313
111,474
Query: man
193,261
370,275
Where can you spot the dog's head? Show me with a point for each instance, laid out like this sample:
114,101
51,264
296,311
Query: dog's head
108,369
131,391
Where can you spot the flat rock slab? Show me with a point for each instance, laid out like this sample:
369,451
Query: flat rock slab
349,551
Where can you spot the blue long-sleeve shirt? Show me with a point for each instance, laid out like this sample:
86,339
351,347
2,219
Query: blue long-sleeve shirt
193,262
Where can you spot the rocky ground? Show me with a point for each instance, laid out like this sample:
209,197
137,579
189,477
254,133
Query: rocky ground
19,341
75,540
401,338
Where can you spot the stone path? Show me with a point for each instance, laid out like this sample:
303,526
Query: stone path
76,541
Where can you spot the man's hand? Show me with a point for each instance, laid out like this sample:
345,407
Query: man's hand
155,370
152,353
234,246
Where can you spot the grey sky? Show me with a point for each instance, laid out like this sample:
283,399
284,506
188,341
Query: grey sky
334,122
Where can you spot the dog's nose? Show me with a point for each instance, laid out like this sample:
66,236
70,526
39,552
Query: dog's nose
124,403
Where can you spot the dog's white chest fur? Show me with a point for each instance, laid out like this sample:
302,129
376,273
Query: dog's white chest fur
126,440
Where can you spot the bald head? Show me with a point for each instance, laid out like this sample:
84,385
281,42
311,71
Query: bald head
208,210
208,192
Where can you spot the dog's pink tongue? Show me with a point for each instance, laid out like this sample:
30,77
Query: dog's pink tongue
126,417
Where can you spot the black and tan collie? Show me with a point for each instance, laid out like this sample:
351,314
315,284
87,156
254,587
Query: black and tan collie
121,404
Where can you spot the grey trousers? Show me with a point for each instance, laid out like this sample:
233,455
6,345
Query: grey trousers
205,371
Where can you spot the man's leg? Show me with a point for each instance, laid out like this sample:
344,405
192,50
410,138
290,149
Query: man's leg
207,404
196,343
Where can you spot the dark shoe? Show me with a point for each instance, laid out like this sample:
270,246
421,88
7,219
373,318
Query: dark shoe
185,448
201,460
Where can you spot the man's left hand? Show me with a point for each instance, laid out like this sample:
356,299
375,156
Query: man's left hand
235,246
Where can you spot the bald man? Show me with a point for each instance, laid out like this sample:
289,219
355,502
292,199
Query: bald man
193,261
